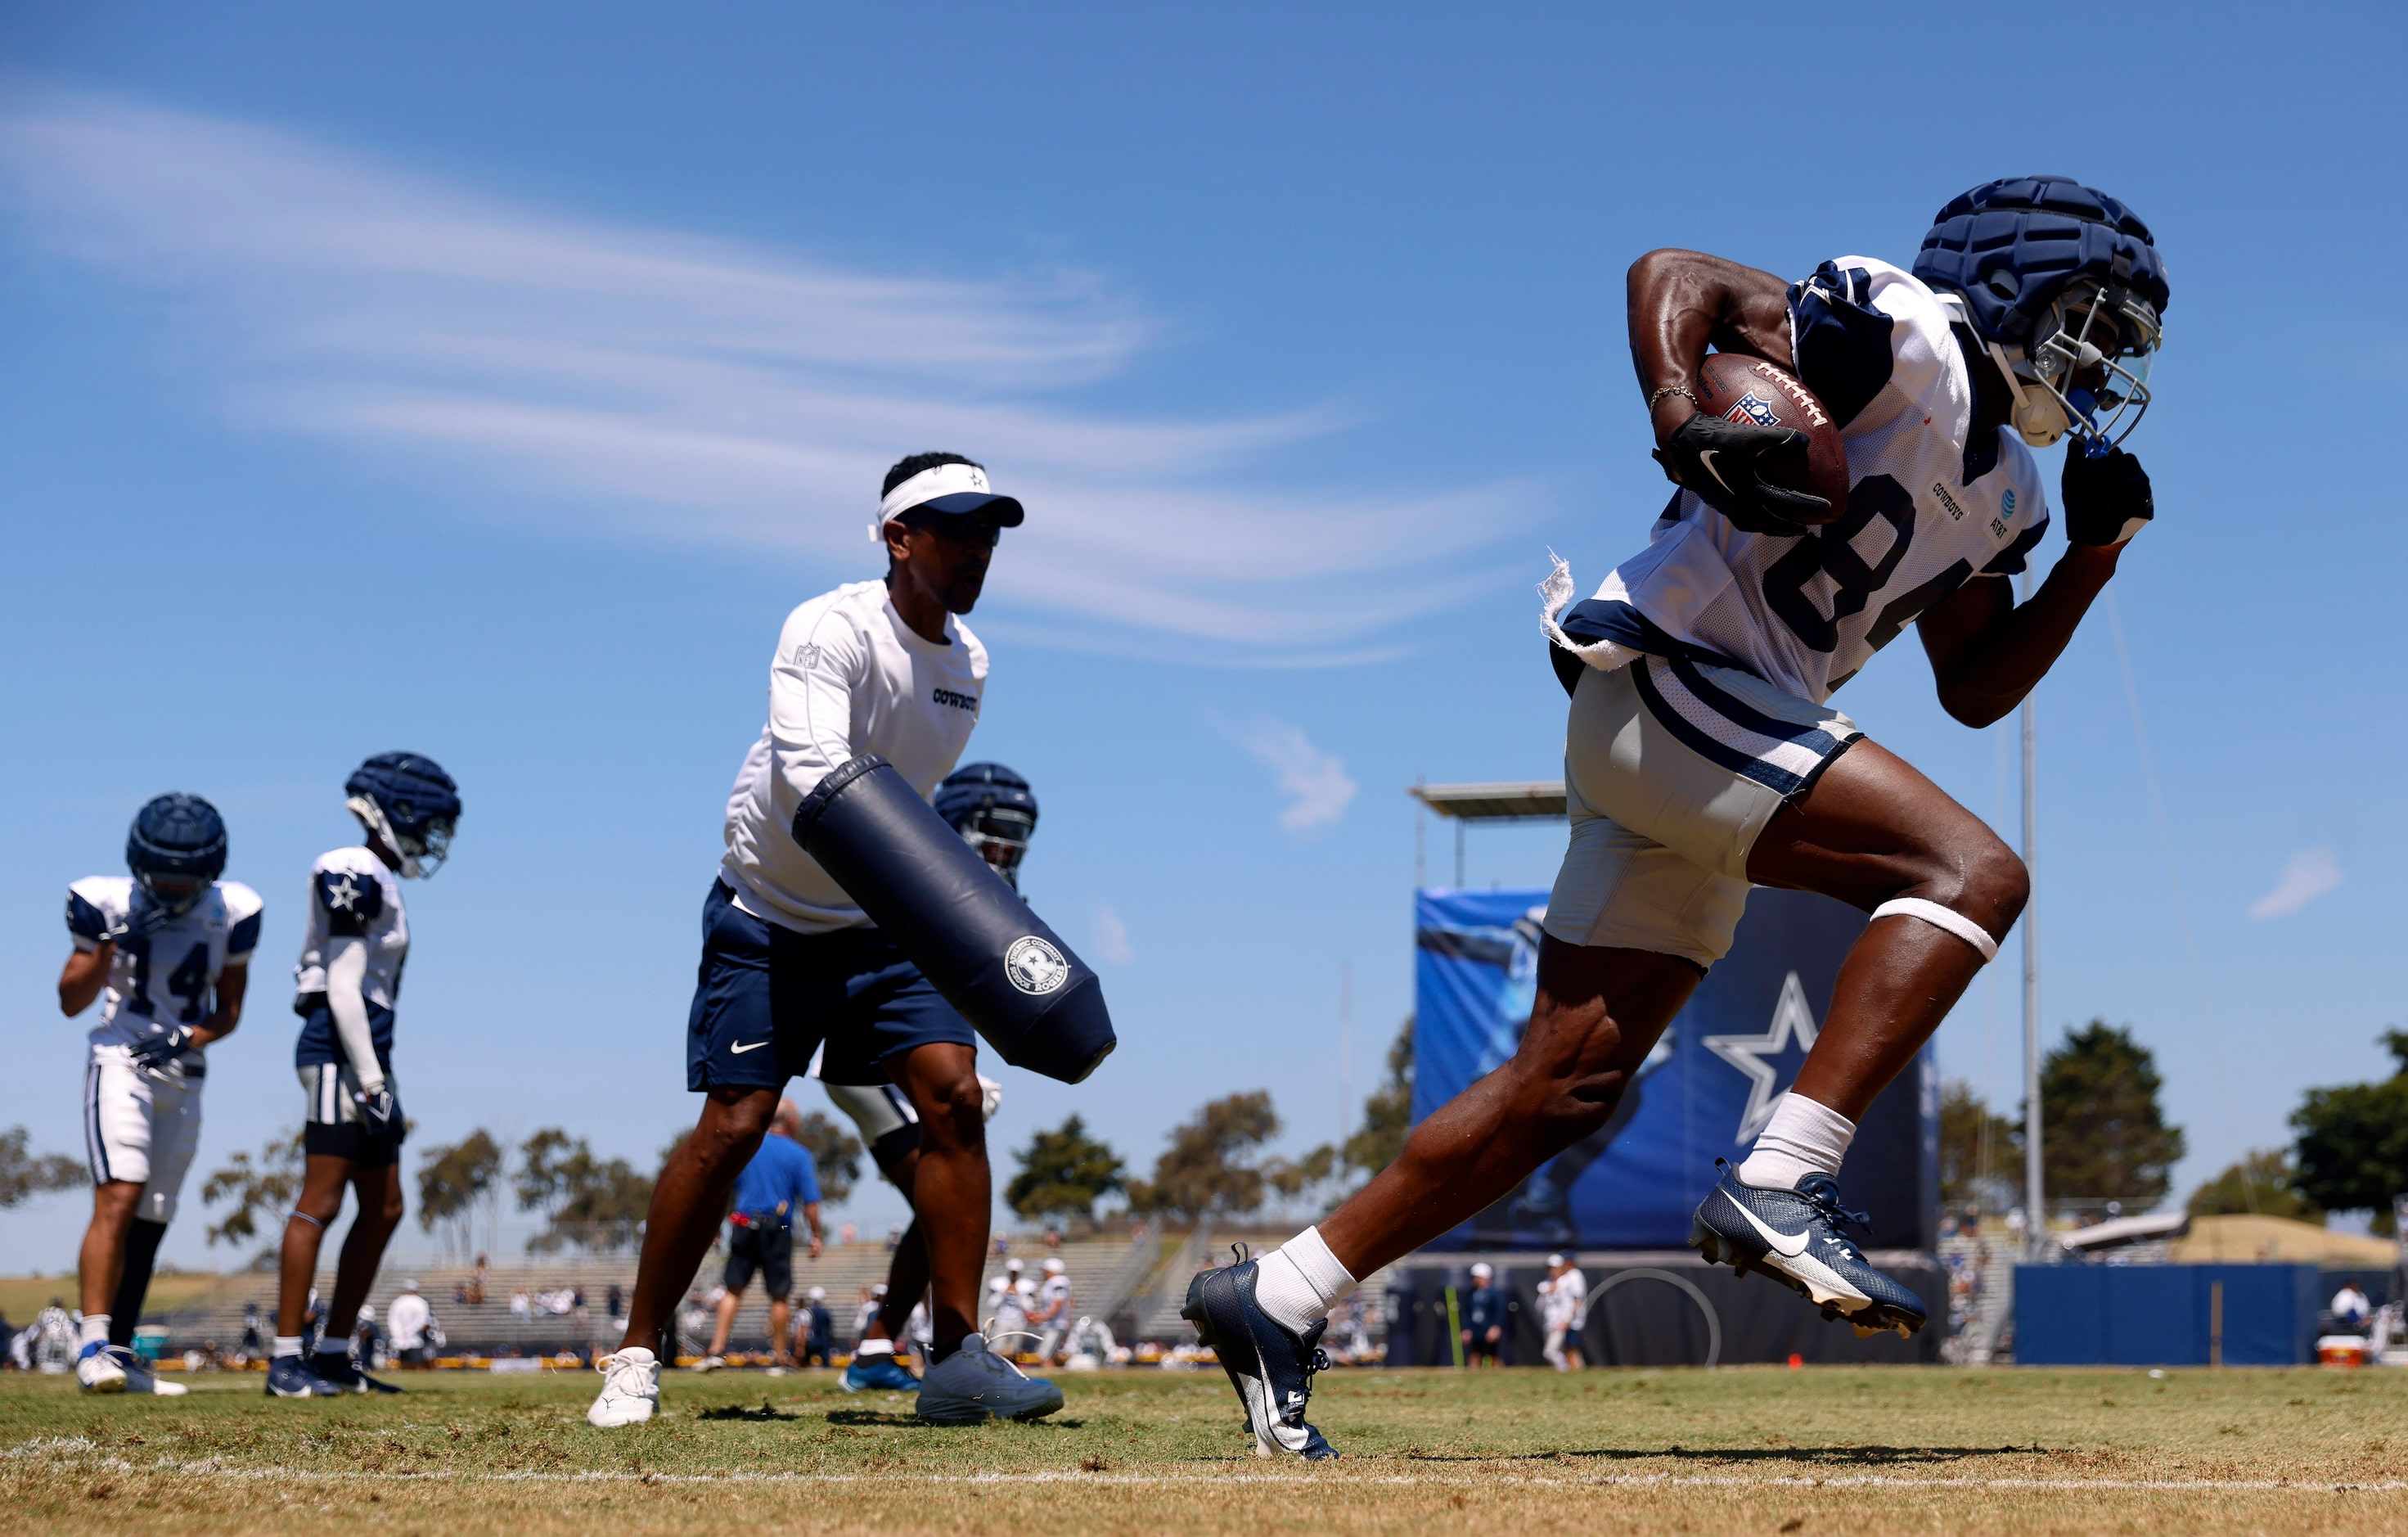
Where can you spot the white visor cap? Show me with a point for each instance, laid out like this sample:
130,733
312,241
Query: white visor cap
1482,1273
946,488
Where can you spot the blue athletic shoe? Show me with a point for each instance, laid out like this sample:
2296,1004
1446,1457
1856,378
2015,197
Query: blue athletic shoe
289,1377
974,1385
1269,1365
879,1374
1792,1236
339,1371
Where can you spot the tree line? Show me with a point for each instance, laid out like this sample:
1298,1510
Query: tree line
2104,1136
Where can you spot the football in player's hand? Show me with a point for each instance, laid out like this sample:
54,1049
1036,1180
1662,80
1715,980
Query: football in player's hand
1743,389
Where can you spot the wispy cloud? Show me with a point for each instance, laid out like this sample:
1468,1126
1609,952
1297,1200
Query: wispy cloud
681,386
1315,783
2306,876
1113,945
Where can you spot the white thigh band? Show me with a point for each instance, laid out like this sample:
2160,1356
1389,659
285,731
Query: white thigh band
1941,917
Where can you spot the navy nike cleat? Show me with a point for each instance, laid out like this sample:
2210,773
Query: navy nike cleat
881,1373
1270,1366
339,1371
1792,1236
289,1377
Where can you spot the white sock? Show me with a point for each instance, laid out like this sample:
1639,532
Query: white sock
94,1330
287,1345
873,1347
1300,1281
1802,1137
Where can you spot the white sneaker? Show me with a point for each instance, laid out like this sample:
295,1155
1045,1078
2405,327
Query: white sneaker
709,1363
97,1371
139,1378
631,1389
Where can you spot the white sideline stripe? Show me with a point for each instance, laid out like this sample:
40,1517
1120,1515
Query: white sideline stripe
55,1448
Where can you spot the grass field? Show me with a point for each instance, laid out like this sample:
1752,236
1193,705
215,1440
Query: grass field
1737,1450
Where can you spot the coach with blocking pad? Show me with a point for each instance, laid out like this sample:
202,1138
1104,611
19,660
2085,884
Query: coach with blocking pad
865,940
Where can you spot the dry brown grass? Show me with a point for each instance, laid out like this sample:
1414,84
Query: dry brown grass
1859,1450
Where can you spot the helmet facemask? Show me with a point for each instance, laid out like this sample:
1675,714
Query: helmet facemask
422,848
1000,835
174,895
2086,369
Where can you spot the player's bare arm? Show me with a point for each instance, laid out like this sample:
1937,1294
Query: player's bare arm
1682,302
85,974
1987,650
232,983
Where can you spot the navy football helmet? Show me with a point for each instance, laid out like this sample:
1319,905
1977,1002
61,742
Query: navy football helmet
993,808
2064,285
409,801
176,847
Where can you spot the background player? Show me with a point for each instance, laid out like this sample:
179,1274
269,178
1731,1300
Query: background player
789,961
995,811
171,944
348,980
1701,756
779,1182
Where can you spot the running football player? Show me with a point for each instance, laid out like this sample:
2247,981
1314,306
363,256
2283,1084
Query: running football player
348,980
170,945
789,961
1702,753
995,811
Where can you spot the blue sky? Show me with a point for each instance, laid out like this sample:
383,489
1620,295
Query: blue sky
490,383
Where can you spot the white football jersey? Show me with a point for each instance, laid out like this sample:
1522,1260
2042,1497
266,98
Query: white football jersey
849,678
353,896
169,976
1807,613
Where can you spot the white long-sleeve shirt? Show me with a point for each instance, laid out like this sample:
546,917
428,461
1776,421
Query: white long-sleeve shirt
849,678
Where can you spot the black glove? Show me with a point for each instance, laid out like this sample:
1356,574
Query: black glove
155,1053
142,919
1723,462
2107,499
381,1109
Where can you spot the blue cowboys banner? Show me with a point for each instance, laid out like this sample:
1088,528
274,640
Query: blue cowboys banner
1703,1094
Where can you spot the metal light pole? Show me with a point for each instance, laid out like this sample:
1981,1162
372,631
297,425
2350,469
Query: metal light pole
2035,1208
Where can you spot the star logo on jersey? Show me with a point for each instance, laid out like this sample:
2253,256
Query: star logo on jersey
343,895
1766,1058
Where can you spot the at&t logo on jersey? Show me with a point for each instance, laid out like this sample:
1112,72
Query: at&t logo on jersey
1753,407
1035,967
2007,502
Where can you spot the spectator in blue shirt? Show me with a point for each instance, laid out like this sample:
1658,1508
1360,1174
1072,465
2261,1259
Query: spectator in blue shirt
779,1182
1484,1319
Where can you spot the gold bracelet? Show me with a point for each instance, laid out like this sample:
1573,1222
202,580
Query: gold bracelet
1674,389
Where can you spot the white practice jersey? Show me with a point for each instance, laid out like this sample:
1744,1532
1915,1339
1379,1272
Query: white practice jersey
849,678
1563,1299
1054,1297
169,976
1806,612
352,896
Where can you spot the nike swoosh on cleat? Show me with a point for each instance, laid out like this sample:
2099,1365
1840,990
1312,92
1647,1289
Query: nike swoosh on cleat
734,1050
1788,1245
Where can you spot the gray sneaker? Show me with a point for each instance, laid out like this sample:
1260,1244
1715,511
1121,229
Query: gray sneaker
974,1385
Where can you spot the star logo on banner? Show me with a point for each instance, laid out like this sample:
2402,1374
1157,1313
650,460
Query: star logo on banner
1766,1058
343,895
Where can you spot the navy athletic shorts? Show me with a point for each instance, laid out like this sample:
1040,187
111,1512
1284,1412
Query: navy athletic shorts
768,1249
766,998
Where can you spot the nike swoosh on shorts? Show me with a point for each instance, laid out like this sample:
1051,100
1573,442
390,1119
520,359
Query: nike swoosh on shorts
734,1050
